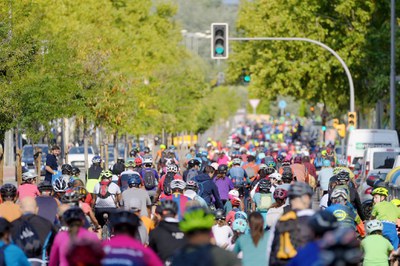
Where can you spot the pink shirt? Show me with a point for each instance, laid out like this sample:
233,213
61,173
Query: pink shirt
58,254
27,190
128,251
223,160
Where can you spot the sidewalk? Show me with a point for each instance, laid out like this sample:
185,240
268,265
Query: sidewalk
9,174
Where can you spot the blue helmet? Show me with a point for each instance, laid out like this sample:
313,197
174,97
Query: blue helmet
327,163
239,225
240,215
134,179
96,159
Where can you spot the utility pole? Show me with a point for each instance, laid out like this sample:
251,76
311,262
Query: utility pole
393,65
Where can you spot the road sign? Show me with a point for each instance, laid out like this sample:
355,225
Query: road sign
254,102
282,104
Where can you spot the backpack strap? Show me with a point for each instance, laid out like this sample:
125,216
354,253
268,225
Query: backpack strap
45,245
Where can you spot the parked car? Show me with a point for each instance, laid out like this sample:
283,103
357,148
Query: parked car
28,160
76,156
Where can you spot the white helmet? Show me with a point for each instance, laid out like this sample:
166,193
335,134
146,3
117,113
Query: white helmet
28,175
61,183
339,192
263,166
236,161
233,194
172,168
373,225
276,176
148,160
177,183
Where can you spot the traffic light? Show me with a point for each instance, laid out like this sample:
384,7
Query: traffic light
335,122
341,129
352,120
323,128
246,78
219,41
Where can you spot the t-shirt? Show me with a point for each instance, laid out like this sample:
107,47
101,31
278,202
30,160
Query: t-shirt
14,256
252,255
51,160
376,250
324,176
344,214
10,211
273,215
222,235
27,190
47,206
108,202
140,194
385,211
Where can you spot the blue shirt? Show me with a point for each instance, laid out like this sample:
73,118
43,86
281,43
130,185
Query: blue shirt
344,214
307,255
252,255
14,256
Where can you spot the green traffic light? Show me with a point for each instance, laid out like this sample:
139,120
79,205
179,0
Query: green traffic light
323,128
247,78
219,50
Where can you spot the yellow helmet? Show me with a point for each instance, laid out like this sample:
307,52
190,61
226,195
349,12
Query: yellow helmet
380,191
396,202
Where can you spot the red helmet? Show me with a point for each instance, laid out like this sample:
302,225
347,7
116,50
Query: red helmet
138,161
297,159
235,201
280,193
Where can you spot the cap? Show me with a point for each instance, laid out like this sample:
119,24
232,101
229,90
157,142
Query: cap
134,205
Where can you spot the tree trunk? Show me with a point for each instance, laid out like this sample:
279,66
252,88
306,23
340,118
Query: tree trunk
85,144
116,153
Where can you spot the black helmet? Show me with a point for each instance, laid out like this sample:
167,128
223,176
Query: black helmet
8,191
169,205
124,217
343,176
71,197
73,214
219,214
222,169
287,176
193,162
299,189
146,150
76,170
45,186
66,169
322,222
264,185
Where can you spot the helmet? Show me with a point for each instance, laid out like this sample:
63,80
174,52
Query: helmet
66,169
138,161
396,202
8,191
28,175
280,158
106,174
343,176
96,159
239,225
215,166
193,162
287,176
326,163
177,184
236,161
123,217
380,191
172,168
299,189
192,185
322,222
134,179
81,191
373,225
146,160
146,150
130,162
339,192
235,201
172,147
236,146
264,185
276,176
240,215
134,151
219,214
45,186
73,214
233,194
222,169
280,193
271,164
196,218
163,147
297,159
286,161
169,205
60,184
263,166
76,170
70,196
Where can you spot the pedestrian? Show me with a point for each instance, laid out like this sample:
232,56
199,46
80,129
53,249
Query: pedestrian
51,163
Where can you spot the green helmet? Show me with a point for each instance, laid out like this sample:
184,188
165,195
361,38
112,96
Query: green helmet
196,218
106,174
130,163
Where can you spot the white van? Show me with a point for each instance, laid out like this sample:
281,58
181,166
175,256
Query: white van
379,160
361,139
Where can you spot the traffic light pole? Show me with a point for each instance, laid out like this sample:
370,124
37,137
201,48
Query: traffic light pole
346,69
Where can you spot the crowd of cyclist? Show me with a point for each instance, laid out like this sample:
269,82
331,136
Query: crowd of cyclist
249,203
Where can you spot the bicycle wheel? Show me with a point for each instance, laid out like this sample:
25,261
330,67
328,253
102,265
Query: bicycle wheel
105,232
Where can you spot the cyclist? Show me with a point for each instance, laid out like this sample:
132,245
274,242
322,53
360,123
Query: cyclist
76,172
276,210
74,218
93,173
324,176
82,193
9,209
107,196
251,167
177,188
60,186
66,169
124,248
193,170
263,198
127,174
298,168
238,176
223,183
222,232
167,238
208,190
387,213
191,192
135,192
197,224
47,205
28,188
12,254
139,164
150,177
163,188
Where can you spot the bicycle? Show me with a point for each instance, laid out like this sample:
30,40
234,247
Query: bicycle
106,229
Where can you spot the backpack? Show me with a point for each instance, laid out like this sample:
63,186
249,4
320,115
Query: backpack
103,191
288,231
318,162
149,179
28,240
265,202
191,174
167,183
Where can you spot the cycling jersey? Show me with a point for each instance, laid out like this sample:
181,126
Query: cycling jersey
344,214
238,176
181,201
